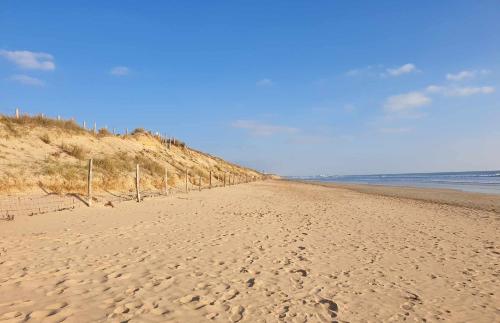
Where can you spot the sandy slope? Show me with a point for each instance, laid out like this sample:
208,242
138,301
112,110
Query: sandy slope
259,252
40,155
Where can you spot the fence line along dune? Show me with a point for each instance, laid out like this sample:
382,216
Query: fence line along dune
40,154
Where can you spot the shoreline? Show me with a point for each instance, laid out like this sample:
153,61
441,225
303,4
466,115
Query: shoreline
472,200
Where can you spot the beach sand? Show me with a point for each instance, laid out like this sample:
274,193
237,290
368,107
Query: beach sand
488,202
261,252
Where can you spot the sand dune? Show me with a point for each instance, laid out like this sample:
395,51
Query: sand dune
260,252
39,155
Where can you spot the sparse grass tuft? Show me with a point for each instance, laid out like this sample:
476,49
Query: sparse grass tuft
12,182
151,166
179,143
137,131
113,165
62,177
45,138
103,132
74,150
196,171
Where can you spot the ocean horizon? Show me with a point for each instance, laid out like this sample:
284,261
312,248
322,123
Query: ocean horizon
469,181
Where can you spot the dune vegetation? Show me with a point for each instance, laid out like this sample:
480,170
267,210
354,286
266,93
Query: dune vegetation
37,152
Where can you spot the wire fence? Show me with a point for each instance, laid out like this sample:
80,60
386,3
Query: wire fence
31,205
21,205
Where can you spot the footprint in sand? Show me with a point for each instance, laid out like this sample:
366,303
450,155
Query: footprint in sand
236,313
189,298
11,315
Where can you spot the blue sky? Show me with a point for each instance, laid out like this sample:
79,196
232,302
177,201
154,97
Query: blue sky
292,87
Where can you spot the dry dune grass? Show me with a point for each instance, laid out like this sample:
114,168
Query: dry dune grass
74,150
39,152
45,138
13,123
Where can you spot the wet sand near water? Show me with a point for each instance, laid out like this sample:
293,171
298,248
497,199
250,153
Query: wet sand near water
487,202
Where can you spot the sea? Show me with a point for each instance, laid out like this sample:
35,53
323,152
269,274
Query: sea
475,181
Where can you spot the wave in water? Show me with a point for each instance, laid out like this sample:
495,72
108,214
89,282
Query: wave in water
477,181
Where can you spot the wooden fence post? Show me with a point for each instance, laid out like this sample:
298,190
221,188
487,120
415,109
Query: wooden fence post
210,181
58,118
95,128
137,183
89,184
84,125
199,185
187,176
224,179
17,113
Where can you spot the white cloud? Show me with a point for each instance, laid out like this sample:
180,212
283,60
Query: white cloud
460,91
466,91
465,74
460,76
435,88
404,69
27,80
355,72
406,102
261,129
265,82
380,71
120,71
367,70
30,60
